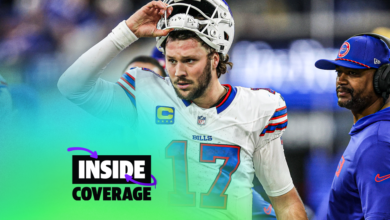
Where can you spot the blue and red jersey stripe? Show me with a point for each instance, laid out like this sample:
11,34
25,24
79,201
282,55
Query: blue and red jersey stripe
130,84
129,79
272,126
280,112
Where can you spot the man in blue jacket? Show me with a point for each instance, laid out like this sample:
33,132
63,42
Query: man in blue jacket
361,186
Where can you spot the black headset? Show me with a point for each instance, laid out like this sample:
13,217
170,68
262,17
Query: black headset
382,75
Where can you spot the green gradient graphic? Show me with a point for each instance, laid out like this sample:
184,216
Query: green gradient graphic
36,168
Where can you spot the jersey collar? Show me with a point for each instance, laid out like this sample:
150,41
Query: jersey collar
382,115
186,103
226,101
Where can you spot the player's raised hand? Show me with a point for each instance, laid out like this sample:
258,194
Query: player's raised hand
143,23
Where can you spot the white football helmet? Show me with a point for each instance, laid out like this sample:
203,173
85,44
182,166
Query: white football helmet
211,20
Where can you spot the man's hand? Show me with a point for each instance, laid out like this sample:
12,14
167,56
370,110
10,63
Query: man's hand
143,23
289,206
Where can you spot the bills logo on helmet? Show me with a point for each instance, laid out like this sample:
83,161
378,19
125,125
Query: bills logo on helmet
201,120
344,49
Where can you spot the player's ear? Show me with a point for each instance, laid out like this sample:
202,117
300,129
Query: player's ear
215,60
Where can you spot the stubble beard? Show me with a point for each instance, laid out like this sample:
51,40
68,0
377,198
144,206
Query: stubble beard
357,102
203,83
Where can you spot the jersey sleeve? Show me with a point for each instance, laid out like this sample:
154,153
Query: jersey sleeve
373,180
81,82
271,169
276,124
107,101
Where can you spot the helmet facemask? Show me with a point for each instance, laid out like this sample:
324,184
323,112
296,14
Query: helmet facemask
211,20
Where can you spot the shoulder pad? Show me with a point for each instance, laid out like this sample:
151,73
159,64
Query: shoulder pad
269,90
146,69
138,72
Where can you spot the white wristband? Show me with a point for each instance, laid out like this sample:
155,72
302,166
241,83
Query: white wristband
122,36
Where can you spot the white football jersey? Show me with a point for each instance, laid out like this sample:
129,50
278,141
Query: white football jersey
203,159
212,150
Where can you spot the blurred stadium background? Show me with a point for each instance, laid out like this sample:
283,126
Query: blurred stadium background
276,45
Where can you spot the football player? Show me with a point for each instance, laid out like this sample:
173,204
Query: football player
221,134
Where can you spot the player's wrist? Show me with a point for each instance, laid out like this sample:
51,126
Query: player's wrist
122,36
132,27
